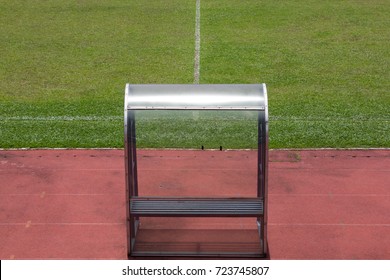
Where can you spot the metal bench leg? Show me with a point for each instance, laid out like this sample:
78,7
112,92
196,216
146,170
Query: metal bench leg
131,178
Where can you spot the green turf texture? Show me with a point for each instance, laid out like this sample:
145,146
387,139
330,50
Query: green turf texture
64,67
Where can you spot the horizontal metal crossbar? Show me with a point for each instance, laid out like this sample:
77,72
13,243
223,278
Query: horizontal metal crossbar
200,207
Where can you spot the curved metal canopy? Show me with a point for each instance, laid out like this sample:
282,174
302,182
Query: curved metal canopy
196,97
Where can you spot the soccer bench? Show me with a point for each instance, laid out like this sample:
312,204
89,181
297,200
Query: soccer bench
220,99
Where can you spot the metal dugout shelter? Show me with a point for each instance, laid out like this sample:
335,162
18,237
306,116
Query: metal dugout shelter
217,98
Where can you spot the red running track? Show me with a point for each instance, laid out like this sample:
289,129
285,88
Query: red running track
70,204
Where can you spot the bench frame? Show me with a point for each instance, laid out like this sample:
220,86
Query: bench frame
137,206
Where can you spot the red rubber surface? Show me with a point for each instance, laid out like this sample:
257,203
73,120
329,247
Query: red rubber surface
70,204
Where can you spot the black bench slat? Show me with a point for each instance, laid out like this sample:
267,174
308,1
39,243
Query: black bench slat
205,207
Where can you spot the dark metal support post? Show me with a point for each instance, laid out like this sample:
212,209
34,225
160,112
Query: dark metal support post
131,177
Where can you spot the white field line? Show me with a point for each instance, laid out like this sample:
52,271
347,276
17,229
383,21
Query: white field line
197,44
321,119
28,224
61,118
338,225
59,194
192,149
116,118
331,195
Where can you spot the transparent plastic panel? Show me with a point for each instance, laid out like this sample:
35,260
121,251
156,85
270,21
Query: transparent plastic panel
194,129
197,153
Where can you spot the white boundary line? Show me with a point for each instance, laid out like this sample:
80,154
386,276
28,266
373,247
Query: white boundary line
197,44
193,149
338,225
29,224
60,149
62,118
116,118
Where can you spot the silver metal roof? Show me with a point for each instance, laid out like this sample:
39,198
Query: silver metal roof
196,97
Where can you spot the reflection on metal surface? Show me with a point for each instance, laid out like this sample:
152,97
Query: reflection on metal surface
196,97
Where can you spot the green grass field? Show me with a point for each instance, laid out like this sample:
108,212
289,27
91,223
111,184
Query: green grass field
64,65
